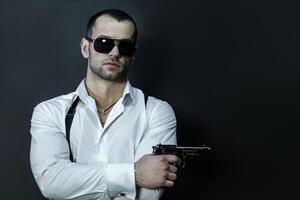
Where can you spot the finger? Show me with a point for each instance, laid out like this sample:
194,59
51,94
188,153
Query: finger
169,183
172,176
178,163
171,158
172,169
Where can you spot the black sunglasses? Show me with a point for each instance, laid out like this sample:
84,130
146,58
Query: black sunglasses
105,45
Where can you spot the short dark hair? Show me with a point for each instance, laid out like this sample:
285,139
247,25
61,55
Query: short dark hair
114,13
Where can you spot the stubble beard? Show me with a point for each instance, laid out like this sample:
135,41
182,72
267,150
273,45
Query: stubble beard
118,76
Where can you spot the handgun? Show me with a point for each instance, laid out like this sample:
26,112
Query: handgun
181,152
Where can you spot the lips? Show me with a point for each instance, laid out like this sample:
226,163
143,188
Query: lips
112,65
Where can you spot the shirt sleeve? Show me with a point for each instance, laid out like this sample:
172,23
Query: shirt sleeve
161,129
56,176
121,180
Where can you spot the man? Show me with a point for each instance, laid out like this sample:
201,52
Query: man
113,129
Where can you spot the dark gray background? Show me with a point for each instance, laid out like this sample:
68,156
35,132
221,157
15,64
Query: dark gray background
230,69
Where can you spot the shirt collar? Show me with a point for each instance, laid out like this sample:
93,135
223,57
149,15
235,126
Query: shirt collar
128,93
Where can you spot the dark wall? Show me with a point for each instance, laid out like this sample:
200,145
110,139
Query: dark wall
230,69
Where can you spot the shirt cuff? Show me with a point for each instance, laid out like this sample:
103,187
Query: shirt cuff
120,178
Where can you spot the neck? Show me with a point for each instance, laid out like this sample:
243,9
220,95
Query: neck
104,92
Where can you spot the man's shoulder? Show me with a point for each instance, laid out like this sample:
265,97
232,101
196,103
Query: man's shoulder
154,101
158,106
57,104
159,113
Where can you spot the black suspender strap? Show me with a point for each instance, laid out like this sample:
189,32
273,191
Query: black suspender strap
68,123
145,99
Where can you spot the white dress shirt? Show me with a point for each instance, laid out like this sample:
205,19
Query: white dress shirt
105,156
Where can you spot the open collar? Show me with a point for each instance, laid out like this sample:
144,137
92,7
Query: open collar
128,93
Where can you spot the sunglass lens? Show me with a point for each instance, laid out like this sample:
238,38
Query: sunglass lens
103,45
126,48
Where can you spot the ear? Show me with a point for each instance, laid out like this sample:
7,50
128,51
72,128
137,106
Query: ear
84,47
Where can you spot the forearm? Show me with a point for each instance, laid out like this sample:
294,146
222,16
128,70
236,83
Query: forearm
66,180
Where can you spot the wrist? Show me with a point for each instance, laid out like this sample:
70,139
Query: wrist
136,177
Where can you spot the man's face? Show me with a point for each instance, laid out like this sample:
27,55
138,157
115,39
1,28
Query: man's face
111,66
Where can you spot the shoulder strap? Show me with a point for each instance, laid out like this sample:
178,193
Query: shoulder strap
145,99
68,123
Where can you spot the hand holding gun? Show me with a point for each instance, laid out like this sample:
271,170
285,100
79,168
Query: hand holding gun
181,152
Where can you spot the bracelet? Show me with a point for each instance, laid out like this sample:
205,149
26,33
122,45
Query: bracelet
136,175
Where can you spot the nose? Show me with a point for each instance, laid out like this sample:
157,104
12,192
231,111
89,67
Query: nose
114,52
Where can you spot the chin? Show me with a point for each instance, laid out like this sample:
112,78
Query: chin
114,78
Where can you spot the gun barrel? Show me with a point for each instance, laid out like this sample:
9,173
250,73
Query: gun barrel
194,148
180,151
193,151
